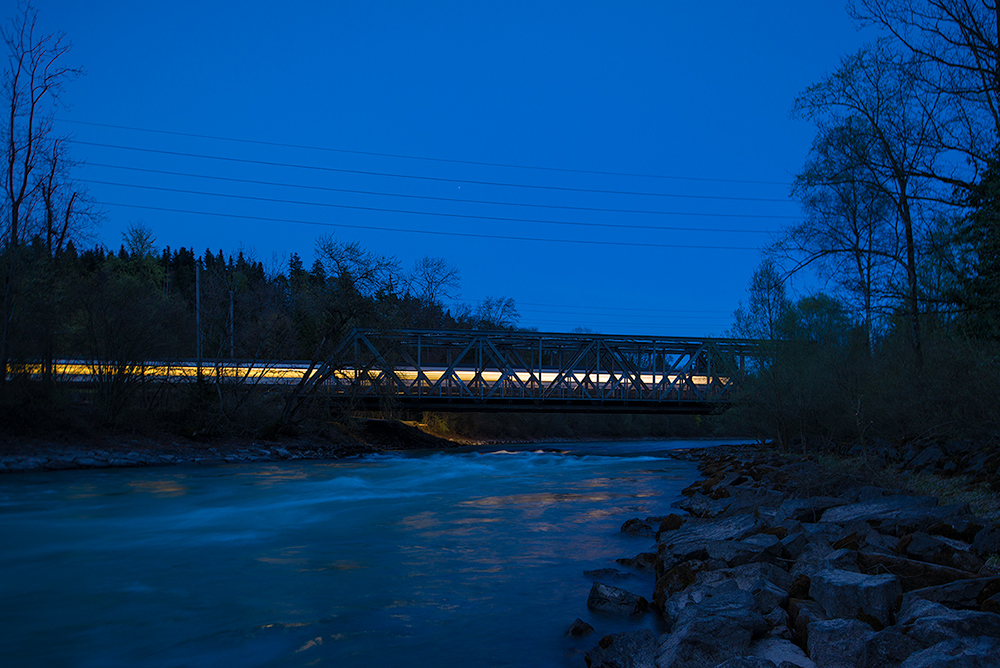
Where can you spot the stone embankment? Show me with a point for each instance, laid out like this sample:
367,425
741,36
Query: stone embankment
778,563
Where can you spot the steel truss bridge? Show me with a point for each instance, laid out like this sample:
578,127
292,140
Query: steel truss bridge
526,371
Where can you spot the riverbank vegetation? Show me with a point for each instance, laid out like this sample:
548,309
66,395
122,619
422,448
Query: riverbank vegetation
901,225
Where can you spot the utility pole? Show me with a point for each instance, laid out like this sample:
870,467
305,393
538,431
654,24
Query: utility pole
197,312
231,346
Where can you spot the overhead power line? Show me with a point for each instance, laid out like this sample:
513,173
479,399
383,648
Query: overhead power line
430,232
613,308
230,179
421,213
424,158
439,179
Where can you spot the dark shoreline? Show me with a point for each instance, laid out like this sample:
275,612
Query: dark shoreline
63,451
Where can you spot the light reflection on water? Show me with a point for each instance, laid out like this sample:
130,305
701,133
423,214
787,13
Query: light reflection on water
442,559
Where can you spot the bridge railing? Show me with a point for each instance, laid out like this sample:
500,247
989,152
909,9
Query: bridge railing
498,370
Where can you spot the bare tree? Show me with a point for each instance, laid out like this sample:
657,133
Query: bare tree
433,279
958,42
496,313
849,232
876,88
31,82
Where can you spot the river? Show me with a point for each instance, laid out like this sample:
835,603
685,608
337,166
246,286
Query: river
458,558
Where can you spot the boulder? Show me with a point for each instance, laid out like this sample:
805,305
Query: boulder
779,622
636,527
923,519
939,550
839,643
912,574
671,522
746,576
644,561
616,601
890,647
747,662
678,578
730,528
961,594
812,559
848,595
793,544
962,653
953,625
767,596
884,508
632,649
700,505
718,627
782,652
747,551
927,458
962,527
842,559
987,541
803,613
805,510
579,628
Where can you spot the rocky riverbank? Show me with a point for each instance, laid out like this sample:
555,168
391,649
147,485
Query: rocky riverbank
55,453
779,562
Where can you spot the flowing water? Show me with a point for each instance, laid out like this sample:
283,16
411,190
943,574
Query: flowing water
461,558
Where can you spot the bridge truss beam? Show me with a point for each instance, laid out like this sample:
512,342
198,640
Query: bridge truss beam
465,370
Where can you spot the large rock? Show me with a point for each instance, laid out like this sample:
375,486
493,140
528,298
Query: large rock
718,627
688,542
782,652
987,541
700,505
636,527
730,528
952,625
632,649
964,653
925,519
579,628
961,594
802,614
644,561
839,643
939,550
780,624
747,575
767,596
678,578
747,662
890,647
884,508
806,510
762,547
912,574
616,601
848,595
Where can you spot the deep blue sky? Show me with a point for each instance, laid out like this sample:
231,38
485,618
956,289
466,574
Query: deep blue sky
678,89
